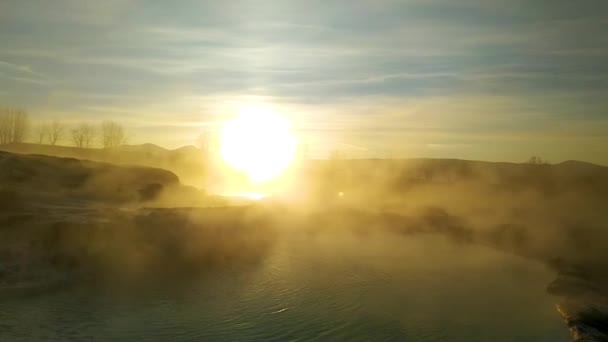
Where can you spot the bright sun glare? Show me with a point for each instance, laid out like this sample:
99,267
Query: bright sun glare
258,142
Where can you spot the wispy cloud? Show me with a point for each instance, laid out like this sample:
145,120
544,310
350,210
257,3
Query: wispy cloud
467,74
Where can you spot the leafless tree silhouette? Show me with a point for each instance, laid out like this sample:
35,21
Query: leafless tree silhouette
40,133
55,131
83,135
536,160
13,125
112,134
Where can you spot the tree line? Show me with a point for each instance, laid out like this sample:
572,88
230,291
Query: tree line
15,128
13,125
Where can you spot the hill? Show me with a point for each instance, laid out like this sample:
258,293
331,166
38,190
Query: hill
45,179
187,162
378,180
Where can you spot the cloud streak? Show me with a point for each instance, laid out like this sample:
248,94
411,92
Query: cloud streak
473,68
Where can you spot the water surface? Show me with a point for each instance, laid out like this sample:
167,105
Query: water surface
314,288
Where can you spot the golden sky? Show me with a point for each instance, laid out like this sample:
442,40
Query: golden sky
474,79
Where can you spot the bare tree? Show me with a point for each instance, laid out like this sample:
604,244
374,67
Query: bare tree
83,135
20,126
89,133
40,133
112,134
13,126
77,137
55,131
536,160
5,127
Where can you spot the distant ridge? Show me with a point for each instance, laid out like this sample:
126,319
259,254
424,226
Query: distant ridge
580,163
187,162
190,164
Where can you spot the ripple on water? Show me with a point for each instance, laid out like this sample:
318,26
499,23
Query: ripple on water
418,292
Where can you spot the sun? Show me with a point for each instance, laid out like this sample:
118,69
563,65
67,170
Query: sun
258,143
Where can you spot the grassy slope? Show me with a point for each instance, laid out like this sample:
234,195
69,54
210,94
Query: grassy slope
187,162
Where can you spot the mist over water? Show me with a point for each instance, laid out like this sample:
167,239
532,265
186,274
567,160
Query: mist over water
363,250
314,287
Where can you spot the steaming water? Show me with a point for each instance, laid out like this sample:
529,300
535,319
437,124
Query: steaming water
340,288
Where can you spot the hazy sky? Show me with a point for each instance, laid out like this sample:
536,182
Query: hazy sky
475,79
